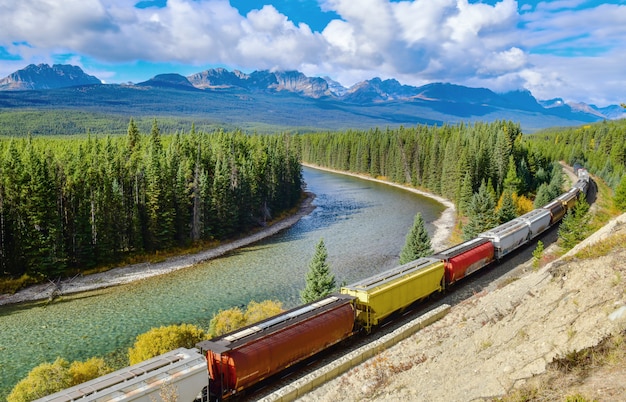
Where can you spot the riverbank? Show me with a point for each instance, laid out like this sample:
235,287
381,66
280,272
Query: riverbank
136,272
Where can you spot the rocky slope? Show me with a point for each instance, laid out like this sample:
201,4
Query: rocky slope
498,340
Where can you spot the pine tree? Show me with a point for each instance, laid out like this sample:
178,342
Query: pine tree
620,195
543,196
466,194
132,135
508,209
574,227
511,181
320,282
417,242
481,212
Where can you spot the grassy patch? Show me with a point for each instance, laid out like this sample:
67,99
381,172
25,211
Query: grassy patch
603,247
567,372
12,285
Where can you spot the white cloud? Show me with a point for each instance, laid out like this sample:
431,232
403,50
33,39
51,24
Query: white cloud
551,47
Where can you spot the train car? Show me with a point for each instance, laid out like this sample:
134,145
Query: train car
507,237
538,221
185,369
381,295
244,357
557,211
582,186
465,258
569,198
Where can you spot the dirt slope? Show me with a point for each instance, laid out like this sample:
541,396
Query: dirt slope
496,341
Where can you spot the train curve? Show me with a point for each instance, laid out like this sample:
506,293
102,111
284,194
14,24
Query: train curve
240,359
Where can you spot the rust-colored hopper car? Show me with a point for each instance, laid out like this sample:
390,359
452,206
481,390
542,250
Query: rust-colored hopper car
240,359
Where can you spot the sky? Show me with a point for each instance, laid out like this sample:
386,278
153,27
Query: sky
570,49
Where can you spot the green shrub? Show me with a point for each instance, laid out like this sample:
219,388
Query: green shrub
12,285
164,339
537,254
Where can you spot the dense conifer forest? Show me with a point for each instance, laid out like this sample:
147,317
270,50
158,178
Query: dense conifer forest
491,171
68,204
453,161
600,148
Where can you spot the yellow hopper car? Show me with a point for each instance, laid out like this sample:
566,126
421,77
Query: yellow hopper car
394,289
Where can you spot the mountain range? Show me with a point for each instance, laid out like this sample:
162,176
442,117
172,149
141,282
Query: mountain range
288,99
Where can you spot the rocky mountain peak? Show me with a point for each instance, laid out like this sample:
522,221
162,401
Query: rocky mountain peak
42,76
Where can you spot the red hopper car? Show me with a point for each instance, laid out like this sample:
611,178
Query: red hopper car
465,258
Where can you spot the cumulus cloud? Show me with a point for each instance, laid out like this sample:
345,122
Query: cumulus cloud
541,48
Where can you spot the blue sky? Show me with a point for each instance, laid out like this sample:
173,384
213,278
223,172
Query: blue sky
573,49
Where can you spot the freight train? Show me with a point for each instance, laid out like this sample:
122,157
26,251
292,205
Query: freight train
238,360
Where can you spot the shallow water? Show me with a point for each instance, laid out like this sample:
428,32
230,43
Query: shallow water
363,225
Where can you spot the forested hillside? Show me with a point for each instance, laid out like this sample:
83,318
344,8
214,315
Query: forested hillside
69,204
453,161
491,171
600,148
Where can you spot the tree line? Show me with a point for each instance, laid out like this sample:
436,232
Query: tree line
70,204
477,166
599,147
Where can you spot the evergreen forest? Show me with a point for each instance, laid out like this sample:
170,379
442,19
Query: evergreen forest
491,171
68,204
452,161
600,148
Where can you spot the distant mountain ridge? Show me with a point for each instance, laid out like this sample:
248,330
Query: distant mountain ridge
42,76
403,104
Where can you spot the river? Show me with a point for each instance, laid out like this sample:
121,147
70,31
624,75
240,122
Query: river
363,225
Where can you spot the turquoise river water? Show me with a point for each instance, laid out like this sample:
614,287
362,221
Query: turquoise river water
363,225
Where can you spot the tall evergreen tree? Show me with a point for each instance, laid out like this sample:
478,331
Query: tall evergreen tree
508,209
417,242
320,282
132,135
620,195
543,197
574,227
511,181
466,193
481,212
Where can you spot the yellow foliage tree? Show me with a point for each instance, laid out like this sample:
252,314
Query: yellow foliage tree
260,311
88,370
234,318
48,378
523,204
164,339
45,379
226,321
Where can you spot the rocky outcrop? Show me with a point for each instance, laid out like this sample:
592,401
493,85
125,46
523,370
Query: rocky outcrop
43,76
